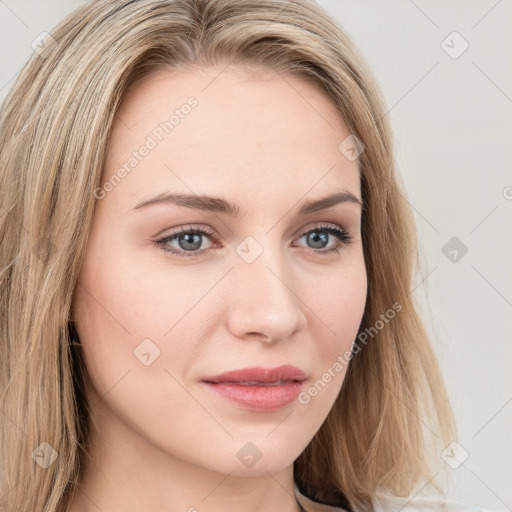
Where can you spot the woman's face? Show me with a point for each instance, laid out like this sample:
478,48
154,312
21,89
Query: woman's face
260,284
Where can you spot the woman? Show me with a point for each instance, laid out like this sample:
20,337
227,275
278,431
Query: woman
206,268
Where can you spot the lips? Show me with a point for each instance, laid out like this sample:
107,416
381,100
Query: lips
259,376
258,389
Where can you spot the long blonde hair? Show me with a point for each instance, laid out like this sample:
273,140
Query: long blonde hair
54,132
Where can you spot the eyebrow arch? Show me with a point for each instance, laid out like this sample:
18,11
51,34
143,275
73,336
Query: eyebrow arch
219,205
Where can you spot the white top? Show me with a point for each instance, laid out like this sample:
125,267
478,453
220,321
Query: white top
387,503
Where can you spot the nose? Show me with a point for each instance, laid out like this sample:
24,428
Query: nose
265,301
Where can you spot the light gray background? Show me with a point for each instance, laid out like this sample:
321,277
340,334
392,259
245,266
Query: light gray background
453,129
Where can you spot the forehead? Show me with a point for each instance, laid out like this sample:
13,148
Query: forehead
250,130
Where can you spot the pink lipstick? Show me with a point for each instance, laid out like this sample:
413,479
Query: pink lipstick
258,388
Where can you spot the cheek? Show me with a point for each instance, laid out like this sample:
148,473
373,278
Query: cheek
127,309
338,309
123,311
131,298
333,327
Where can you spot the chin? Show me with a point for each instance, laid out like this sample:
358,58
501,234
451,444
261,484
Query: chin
258,457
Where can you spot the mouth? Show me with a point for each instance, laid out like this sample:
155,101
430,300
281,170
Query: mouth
258,389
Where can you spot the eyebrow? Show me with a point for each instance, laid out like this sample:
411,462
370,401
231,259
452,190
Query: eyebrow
219,205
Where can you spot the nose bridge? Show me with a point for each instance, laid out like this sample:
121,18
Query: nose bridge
262,292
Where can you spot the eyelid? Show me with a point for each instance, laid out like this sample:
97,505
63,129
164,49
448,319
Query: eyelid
320,226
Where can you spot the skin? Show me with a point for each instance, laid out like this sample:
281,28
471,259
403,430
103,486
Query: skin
160,441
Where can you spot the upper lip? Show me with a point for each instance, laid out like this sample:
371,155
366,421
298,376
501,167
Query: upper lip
260,374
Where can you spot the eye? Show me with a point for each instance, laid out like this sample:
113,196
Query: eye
319,236
190,240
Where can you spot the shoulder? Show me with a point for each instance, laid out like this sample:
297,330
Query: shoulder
388,503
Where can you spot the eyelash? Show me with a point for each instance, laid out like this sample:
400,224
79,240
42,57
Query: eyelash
343,239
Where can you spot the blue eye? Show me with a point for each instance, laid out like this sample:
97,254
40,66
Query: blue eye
190,240
320,235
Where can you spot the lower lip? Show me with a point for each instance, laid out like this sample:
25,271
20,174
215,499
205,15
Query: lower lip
258,398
